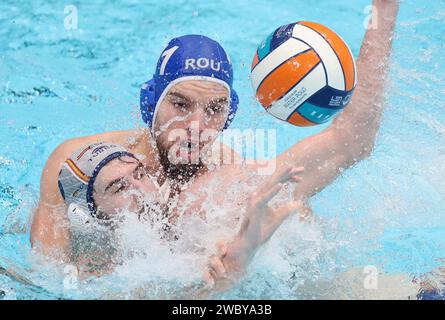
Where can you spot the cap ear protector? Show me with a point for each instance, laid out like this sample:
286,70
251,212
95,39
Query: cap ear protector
148,104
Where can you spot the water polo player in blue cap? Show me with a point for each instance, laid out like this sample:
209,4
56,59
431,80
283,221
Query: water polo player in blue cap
191,91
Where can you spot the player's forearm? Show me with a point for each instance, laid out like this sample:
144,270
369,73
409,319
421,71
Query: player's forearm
360,121
49,234
239,254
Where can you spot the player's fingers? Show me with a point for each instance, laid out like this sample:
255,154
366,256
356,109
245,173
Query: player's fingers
221,248
282,177
264,198
296,179
217,266
208,279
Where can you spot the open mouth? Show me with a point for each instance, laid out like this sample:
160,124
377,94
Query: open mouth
189,144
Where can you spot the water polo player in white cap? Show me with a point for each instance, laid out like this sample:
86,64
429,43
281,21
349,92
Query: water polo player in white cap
103,178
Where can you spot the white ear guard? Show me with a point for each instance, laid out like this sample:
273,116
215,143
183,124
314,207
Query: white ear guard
82,221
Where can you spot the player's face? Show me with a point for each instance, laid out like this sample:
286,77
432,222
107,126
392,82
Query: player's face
190,117
124,184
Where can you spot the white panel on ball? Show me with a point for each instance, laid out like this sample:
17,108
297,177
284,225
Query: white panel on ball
334,70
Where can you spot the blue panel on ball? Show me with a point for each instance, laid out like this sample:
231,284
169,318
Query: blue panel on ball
315,113
331,98
264,48
280,35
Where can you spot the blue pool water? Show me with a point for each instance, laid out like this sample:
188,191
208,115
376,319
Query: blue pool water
387,211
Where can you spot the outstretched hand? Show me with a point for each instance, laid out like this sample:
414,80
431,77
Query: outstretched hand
261,220
258,225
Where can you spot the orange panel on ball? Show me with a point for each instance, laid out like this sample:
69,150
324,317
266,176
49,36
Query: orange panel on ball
286,76
255,60
298,120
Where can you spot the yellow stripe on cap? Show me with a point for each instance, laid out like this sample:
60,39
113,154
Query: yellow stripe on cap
77,172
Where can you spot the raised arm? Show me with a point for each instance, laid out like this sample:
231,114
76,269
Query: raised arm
351,136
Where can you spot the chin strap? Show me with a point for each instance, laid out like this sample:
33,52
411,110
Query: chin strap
81,221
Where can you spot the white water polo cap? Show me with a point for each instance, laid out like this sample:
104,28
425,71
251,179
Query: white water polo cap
78,173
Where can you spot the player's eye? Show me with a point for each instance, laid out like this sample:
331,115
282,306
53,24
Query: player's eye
180,104
121,187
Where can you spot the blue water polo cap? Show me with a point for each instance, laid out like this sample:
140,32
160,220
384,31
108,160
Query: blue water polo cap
190,57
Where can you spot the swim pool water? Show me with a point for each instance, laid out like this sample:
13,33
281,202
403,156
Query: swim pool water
56,84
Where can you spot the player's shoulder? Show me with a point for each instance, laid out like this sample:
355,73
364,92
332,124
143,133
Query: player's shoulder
66,148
